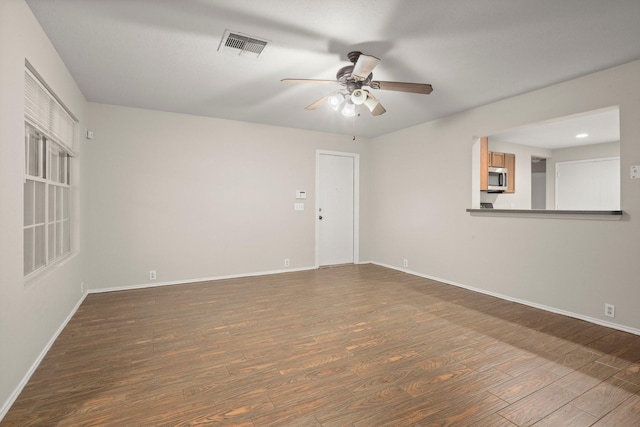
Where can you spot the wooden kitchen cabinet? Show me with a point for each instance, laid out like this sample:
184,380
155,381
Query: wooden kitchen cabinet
497,160
484,163
510,165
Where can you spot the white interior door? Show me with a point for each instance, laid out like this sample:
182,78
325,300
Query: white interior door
336,208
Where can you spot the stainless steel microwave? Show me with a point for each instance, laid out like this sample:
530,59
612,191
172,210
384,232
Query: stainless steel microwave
497,179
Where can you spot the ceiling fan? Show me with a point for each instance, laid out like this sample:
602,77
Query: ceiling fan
355,79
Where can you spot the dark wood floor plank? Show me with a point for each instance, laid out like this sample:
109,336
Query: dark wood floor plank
605,396
523,385
626,414
567,363
568,415
586,377
465,410
355,345
493,420
630,374
537,406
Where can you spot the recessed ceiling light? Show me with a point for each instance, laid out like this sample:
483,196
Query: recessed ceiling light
582,135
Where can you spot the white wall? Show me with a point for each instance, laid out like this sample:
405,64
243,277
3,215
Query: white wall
30,311
195,197
567,265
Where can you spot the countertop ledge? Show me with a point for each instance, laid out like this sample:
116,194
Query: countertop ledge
542,213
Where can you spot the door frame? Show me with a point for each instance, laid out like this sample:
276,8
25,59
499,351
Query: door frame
356,202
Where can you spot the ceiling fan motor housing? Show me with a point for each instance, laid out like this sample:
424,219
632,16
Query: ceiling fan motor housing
344,73
353,56
351,83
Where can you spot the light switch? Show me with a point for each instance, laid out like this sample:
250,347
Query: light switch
635,172
298,206
301,194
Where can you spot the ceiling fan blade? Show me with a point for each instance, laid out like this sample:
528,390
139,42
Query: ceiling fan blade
422,88
317,104
374,105
308,81
364,65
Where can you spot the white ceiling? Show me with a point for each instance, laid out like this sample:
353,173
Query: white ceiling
599,126
162,54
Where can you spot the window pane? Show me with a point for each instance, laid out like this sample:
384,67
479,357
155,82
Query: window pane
45,161
52,203
58,239
39,259
63,168
51,247
40,201
66,246
28,203
66,205
33,152
28,250
59,203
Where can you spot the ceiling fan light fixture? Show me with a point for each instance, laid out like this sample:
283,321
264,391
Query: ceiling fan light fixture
371,103
335,101
349,110
359,96
374,106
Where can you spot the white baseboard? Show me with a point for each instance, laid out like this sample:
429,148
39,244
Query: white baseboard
201,279
519,301
10,401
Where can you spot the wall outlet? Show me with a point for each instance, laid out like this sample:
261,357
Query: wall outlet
610,310
405,262
286,262
152,275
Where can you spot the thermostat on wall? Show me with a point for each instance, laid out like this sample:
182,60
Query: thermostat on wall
301,194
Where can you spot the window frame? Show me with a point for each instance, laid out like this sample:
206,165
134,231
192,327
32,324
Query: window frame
47,202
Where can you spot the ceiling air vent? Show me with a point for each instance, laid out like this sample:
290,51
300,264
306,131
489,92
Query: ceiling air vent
241,44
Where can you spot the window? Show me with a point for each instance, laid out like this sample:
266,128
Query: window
47,194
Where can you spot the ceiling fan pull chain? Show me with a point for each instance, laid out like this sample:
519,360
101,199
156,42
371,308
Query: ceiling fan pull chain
354,126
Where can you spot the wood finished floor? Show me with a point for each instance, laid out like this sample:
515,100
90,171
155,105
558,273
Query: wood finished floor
344,346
